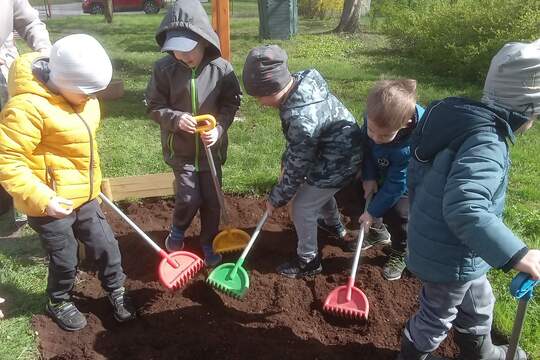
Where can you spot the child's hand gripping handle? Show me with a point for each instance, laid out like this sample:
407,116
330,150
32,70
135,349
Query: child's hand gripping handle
521,288
207,122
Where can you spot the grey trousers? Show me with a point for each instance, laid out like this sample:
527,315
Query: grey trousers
309,204
59,238
468,306
195,192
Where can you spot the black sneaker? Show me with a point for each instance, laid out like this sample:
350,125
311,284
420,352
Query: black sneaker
298,268
123,309
66,315
337,230
395,265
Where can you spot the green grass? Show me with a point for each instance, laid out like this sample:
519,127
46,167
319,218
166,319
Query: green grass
22,283
129,141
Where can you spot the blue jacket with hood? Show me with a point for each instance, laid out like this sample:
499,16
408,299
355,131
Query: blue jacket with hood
457,181
387,164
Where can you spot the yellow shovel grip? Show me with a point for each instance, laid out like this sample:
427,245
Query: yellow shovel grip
209,122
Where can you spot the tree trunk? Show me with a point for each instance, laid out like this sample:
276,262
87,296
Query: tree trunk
108,11
352,10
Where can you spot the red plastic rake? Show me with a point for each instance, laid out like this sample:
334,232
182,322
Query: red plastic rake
347,300
175,269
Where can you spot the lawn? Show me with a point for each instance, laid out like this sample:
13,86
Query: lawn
129,141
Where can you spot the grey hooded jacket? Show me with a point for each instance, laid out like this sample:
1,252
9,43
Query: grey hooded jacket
169,93
324,142
19,15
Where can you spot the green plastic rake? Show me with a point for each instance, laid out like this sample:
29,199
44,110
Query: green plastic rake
232,279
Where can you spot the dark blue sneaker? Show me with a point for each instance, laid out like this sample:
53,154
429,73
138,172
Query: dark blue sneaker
337,230
175,239
211,259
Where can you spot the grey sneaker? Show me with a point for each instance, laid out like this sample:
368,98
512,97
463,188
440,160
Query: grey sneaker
66,315
377,235
395,265
123,309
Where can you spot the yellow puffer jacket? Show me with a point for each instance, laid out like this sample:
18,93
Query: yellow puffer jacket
47,146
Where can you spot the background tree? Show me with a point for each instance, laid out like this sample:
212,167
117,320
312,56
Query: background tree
108,11
352,10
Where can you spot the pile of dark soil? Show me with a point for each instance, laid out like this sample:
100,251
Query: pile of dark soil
279,317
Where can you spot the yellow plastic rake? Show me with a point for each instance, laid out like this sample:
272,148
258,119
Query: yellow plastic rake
229,239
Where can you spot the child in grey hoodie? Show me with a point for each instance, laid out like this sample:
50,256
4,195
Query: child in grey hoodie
193,79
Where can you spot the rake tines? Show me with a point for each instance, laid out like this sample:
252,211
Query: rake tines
352,314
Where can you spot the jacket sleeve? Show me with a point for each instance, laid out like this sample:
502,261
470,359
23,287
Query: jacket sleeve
20,134
301,152
369,169
473,181
229,99
394,185
30,28
157,95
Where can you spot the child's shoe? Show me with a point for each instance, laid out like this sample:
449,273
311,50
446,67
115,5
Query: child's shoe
409,352
298,268
395,265
123,309
377,235
480,347
66,315
175,239
211,259
337,230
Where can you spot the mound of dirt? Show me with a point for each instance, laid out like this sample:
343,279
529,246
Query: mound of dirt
278,318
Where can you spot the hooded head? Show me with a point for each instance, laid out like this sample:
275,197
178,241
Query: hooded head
513,79
79,64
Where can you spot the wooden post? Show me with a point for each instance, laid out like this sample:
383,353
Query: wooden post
221,25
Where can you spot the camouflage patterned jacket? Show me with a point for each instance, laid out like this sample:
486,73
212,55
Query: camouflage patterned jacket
324,142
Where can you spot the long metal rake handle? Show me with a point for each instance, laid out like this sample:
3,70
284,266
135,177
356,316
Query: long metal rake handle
254,236
139,231
357,252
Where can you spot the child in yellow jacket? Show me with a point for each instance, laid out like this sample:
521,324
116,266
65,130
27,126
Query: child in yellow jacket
49,164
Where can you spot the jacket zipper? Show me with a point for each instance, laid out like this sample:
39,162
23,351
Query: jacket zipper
91,141
194,110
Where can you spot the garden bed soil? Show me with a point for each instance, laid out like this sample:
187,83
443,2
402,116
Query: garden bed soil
278,318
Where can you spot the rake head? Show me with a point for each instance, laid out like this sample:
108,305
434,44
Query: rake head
223,280
347,302
230,240
188,265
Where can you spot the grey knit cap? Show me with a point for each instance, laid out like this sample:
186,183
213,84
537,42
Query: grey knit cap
265,71
513,79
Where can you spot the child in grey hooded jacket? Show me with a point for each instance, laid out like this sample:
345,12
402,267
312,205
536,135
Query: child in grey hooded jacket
193,79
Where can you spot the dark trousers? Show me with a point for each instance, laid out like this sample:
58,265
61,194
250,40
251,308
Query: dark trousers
59,238
195,192
6,201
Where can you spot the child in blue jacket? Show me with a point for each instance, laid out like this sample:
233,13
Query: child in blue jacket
392,115
458,178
